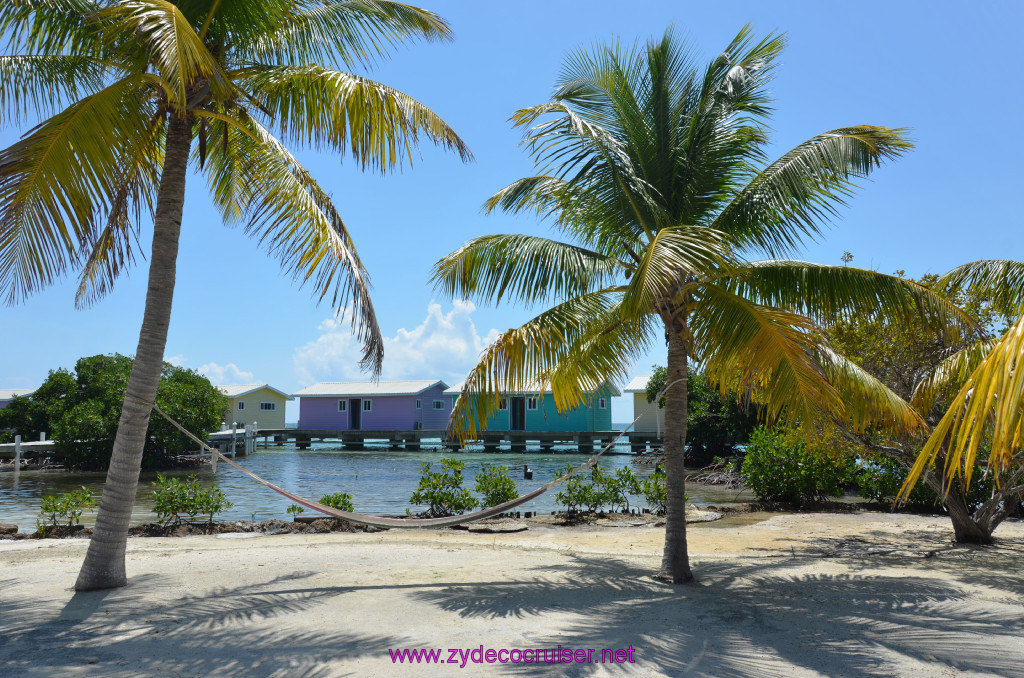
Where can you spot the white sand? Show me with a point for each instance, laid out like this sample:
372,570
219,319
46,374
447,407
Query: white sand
794,595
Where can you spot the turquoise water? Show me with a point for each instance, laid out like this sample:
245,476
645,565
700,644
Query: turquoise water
380,481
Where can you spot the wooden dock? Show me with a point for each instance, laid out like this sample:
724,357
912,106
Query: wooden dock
488,441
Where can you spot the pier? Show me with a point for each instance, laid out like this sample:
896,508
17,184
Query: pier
487,441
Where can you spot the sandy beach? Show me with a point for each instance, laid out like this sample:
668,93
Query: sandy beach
862,594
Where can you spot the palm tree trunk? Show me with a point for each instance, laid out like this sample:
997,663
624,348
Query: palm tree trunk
675,563
104,562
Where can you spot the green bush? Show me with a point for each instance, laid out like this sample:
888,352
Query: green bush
655,491
174,500
68,506
583,491
620,486
880,479
339,500
495,485
781,466
294,510
443,491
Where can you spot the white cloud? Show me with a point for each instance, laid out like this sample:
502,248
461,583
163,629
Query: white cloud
444,346
178,360
225,375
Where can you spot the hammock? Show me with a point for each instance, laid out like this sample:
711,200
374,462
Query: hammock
408,523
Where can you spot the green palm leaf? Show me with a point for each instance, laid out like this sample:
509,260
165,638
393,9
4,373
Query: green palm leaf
526,268
1004,278
377,124
789,201
56,181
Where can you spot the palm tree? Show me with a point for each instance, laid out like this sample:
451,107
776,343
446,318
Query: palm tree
136,90
987,401
655,168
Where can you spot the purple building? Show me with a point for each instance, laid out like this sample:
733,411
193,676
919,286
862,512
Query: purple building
9,394
374,406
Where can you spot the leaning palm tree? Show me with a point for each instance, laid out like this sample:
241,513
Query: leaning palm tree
137,91
985,383
655,168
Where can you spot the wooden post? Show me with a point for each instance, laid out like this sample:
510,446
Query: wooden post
17,453
234,437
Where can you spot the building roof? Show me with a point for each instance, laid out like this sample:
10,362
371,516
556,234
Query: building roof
10,393
637,384
239,390
457,389
354,389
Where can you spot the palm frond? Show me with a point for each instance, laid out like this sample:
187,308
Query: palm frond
1003,277
677,256
764,350
518,360
294,220
987,409
112,252
788,202
526,268
39,85
867,402
55,182
379,126
172,46
832,292
344,33
50,26
950,374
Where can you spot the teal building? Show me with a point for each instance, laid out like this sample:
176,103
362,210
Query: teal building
536,411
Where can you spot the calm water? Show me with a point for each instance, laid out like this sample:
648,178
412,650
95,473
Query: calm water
380,481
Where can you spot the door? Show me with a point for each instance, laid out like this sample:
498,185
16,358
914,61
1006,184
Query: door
355,414
517,409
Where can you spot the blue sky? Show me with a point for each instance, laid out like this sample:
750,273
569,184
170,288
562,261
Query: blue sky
948,71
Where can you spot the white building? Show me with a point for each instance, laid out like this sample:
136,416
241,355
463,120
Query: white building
652,417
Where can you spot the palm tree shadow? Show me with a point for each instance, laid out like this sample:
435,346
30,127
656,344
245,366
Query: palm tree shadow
124,631
739,621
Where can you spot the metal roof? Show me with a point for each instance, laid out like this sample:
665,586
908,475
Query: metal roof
239,390
340,389
9,393
637,384
457,389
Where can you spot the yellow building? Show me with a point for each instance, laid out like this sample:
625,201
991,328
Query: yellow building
258,404
652,417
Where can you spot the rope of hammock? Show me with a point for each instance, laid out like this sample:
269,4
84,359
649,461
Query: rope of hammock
407,523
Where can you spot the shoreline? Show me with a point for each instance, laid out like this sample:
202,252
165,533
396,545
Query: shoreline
853,594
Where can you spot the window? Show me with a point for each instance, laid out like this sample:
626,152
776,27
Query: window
343,406
531,403
268,407
241,404
367,405
438,404
602,403
419,404
502,404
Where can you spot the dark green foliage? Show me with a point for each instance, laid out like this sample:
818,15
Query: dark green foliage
68,506
175,500
782,466
715,425
580,491
495,486
443,491
655,491
81,411
620,486
339,500
880,479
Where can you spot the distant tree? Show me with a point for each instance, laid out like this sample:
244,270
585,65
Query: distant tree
918,363
81,410
716,424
